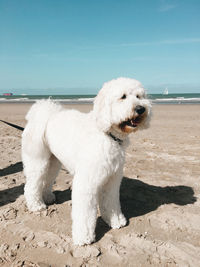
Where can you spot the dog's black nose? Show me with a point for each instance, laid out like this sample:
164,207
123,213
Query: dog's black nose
140,110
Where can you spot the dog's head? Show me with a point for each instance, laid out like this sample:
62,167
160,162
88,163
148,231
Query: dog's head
121,105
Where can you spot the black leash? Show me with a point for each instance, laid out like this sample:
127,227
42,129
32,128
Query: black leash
119,141
14,125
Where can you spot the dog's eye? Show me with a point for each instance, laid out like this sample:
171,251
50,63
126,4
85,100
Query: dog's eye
124,96
138,96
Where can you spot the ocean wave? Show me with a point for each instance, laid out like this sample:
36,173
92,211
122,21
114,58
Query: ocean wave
177,100
32,100
89,100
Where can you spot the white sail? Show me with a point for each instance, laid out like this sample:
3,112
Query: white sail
166,92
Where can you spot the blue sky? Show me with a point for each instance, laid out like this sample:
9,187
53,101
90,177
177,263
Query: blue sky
80,44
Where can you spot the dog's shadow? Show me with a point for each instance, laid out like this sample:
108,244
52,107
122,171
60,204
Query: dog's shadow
63,196
9,195
139,198
13,168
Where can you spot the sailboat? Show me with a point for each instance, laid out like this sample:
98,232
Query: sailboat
166,92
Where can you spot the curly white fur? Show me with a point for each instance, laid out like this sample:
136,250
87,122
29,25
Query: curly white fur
88,146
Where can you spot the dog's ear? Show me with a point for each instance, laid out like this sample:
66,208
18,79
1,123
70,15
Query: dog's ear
102,111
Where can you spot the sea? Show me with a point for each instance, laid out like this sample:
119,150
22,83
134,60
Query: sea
189,98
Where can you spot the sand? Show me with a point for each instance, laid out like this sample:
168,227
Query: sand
159,196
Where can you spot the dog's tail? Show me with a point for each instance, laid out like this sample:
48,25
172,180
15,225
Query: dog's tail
33,137
42,110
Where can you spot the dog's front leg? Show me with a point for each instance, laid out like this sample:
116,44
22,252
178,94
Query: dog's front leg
84,211
109,202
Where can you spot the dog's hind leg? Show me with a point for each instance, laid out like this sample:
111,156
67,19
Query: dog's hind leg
36,161
36,156
54,167
109,202
35,170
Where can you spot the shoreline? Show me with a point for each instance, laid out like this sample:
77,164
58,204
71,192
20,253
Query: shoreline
175,98
76,102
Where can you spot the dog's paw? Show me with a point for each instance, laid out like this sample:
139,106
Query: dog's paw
118,221
81,240
36,206
49,198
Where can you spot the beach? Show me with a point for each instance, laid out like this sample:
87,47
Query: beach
160,197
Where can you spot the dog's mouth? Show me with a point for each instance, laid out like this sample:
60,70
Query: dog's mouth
131,124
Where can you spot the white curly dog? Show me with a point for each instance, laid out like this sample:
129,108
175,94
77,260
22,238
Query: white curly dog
91,146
